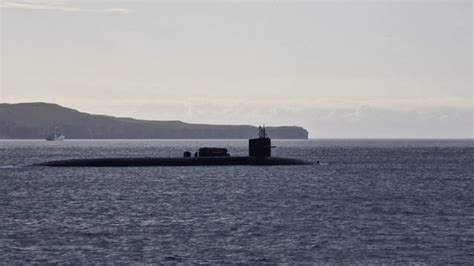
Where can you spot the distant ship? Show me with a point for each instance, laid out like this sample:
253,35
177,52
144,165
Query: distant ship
55,136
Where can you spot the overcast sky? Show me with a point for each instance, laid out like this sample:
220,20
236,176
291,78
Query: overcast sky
389,69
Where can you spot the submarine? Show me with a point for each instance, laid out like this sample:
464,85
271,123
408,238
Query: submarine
259,154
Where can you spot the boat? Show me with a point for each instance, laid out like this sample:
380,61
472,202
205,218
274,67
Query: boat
55,136
259,154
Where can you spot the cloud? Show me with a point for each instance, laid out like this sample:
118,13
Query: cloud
58,6
34,6
116,10
324,118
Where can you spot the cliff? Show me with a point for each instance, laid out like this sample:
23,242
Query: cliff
36,120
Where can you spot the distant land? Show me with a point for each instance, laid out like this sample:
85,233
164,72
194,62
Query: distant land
36,120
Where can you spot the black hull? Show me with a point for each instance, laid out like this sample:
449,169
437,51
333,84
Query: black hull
178,161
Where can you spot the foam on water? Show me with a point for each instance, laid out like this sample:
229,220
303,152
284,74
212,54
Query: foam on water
11,166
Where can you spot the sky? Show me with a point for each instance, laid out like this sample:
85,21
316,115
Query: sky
341,69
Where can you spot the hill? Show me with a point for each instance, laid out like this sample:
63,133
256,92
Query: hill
36,120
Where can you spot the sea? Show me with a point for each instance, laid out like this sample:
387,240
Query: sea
366,202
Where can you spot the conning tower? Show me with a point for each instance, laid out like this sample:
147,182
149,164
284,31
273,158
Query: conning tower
261,146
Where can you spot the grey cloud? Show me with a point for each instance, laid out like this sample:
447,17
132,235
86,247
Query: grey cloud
59,6
364,121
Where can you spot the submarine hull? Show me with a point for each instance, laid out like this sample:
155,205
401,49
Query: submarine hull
178,161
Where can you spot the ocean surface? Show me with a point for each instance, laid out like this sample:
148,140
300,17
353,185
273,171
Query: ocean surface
369,201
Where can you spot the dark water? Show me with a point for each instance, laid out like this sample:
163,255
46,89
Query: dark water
382,201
